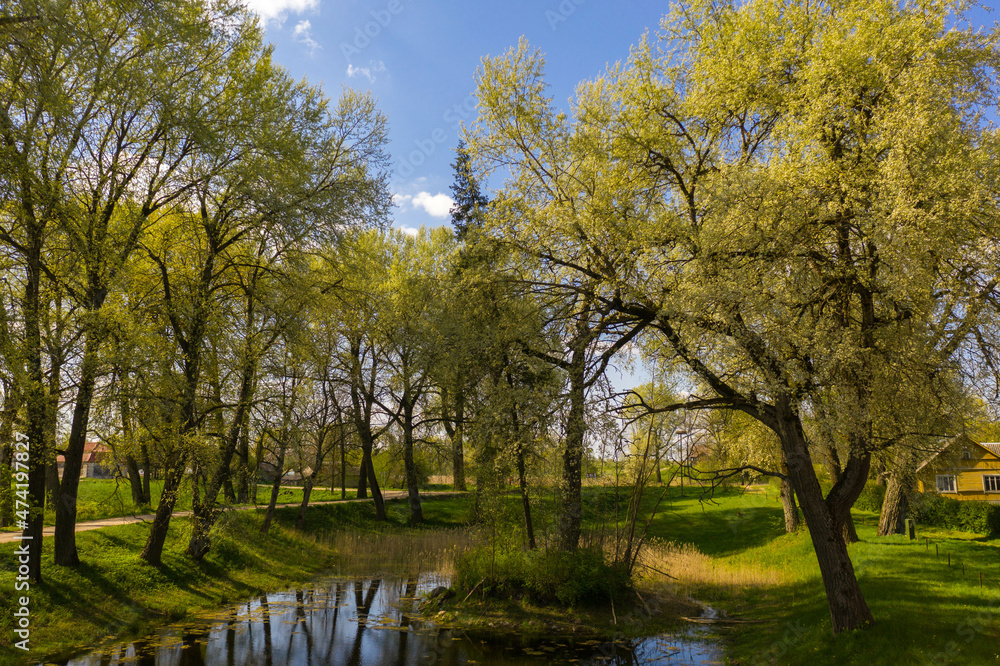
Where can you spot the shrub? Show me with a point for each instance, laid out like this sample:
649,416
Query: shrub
582,576
871,498
964,515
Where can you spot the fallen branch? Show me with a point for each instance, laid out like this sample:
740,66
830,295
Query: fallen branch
473,590
663,573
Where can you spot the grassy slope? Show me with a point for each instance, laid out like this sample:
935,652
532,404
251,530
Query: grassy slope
114,593
925,612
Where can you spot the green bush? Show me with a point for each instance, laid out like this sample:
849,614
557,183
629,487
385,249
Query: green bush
569,579
964,515
871,498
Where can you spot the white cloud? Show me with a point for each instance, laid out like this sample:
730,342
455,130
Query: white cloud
436,205
303,35
367,72
276,11
410,231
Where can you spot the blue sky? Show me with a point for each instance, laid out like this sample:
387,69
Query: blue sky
419,59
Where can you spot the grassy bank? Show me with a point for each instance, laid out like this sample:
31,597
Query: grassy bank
742,562
114,594
731,552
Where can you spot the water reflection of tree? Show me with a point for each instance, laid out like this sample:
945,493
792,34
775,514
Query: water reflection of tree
145,654
363,609
331,643
192,639
231,638
266,618
404,620
300,621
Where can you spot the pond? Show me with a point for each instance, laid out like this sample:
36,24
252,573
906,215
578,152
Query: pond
367,622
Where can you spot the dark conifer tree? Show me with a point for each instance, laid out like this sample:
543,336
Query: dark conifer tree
469,201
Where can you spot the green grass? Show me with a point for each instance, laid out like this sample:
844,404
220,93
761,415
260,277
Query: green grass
114,593
925,612
111,498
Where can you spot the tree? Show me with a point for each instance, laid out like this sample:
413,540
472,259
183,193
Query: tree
799,196
470,203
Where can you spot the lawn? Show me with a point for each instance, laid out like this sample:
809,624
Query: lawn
926,612
112,498
739,560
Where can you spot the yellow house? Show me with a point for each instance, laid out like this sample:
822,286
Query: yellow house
964,470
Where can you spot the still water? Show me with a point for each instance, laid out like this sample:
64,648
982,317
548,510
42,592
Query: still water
367,622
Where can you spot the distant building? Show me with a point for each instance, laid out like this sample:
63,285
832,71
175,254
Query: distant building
98,461
964,470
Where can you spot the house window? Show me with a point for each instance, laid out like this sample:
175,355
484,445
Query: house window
991,483
966,455
946,483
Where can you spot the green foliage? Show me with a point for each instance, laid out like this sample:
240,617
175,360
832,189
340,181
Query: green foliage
871,498
566,578
963,515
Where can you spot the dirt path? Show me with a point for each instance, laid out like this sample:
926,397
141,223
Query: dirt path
7,537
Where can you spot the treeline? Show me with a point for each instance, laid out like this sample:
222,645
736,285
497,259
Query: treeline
789,211
198,272
168,196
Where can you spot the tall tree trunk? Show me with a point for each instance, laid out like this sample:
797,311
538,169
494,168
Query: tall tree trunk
243,475
55,390
832,461
276,484
571,495
306,492
228,489
131,464
173,475
789,507
205,512
456,432
825,518
134,479
147,497
65,532
377,498
788,499
894,506
258,457
343,465
522,480
36,404
310,480
412,478
362,492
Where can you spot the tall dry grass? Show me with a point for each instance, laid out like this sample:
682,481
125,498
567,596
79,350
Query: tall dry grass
690,568
363,552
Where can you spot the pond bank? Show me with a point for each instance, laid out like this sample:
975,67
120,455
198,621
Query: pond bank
372,621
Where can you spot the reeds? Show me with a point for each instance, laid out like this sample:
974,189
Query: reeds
366,552
689,568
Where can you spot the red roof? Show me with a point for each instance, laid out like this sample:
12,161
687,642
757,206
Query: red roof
93,452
